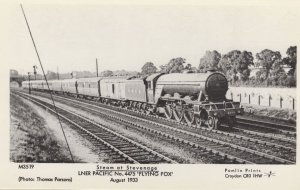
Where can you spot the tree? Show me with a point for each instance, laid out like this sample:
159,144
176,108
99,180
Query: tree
236,63
242,64
106,73
123,72
51,75
163,68
291,81
226,64
209,60
291,59
13,72
149,68
277,68
259,76
83,74
267,58
188,67
175,65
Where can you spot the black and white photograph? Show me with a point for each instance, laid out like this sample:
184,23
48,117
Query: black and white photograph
143,86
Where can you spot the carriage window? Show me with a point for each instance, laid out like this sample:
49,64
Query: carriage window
113,88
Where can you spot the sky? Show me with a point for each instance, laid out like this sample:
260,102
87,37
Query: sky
71,37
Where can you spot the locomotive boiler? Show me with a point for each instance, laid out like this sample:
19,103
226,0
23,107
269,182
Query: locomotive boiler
210,86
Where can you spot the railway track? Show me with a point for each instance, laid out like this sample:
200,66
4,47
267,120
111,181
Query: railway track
211,154
249,135
276,141
283,147
194,139
250,124
120,148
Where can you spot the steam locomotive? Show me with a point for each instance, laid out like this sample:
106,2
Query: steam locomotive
194,98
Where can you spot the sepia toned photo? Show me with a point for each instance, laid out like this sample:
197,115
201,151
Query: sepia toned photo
115,94
210,107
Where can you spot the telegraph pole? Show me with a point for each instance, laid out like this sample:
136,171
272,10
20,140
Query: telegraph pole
34,71
29,82
97,66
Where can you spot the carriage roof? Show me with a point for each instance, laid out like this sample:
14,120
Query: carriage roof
117,78
68,80
93,79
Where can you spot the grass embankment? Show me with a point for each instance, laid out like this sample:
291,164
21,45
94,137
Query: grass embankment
272,114
30,140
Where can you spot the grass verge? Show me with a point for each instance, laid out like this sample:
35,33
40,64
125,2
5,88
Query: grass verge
30,140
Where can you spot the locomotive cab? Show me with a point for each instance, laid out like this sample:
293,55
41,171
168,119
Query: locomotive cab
151,86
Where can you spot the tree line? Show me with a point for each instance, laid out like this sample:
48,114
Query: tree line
236,66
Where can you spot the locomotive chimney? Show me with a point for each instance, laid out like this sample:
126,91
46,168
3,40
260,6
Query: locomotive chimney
188,71
211,70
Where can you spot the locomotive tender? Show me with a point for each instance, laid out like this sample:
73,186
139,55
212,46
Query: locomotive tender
196,98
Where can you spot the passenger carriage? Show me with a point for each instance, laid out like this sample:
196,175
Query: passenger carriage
113,89
69,86
25,84
56,86
45,87
89,87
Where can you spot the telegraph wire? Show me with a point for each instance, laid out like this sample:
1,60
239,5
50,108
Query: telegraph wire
47,82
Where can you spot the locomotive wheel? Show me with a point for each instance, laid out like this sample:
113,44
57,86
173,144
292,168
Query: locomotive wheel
199,121
143,108
133,105
147,109
125,105
168,112
178,114
217,124
211,123
202,118
138,107
189,117
129,105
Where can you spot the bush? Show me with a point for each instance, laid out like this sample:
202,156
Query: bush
278,81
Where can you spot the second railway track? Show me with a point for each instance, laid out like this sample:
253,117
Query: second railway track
286,130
